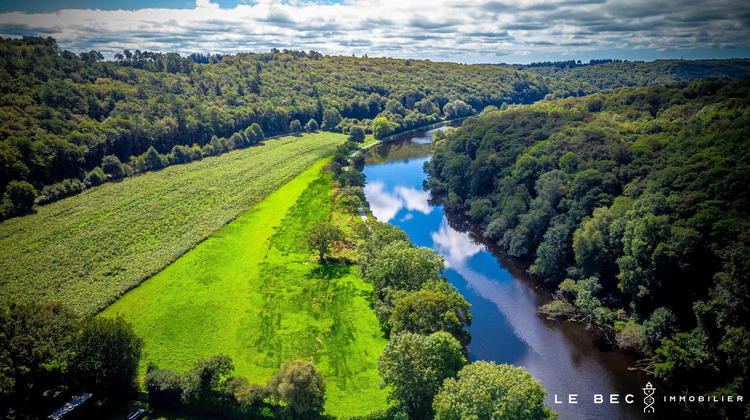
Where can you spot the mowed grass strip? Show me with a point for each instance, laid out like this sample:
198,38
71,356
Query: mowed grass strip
253,292
88,250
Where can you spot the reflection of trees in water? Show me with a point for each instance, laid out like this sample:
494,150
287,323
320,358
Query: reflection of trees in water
517,267
397,151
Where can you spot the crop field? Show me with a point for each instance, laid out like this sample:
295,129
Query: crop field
253,292
89,249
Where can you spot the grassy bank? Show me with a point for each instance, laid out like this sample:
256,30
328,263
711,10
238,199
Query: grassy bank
89,249
252,292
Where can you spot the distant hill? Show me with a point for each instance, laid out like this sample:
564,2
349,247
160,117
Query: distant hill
606,74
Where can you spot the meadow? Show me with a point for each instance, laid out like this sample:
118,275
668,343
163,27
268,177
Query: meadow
88,250
253,292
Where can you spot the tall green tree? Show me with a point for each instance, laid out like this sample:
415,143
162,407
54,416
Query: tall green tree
321,236
414,367
106,358
485,390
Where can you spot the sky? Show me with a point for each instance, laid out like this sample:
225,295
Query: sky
465,31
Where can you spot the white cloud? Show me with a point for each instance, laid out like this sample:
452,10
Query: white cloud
418,28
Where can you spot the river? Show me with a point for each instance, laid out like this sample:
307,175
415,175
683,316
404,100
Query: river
565,357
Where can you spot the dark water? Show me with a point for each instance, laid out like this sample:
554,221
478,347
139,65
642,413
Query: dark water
565,357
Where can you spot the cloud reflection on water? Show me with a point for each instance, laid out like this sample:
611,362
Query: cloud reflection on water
385,205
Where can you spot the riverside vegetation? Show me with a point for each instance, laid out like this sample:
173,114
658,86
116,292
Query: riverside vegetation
635,203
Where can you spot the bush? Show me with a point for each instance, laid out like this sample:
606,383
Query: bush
181,154
18,198
486,390
164,387
301,386
661,324
95,177
58,191
629,337
357,134
295,127
112,166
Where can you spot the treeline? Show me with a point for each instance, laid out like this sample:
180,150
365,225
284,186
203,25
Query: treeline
614,74
636,203
64,112
561,64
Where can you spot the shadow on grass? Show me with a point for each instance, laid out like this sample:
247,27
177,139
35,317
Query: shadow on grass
329,272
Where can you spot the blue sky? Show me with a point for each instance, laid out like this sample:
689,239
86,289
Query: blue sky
467,31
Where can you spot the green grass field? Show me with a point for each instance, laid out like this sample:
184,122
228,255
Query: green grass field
252,292
89,249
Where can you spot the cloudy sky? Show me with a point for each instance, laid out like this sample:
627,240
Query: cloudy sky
465,31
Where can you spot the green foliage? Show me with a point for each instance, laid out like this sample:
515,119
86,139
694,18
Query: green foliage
484,390
205,378
661,324
134,228
295,127
331,119
311,126
34,350
380,127
321,236
351,178
608,74
107,353
393,265
301,386
95,177
639,188
357,134
414,367
436,307
112,166
164,387
18,198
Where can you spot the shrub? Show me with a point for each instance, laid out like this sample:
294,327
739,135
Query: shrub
301,386
18,198
95,177
112,166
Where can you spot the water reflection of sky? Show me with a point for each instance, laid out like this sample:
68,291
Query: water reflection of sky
506,327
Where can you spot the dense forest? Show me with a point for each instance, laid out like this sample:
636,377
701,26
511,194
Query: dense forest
635,202
65,112
607,74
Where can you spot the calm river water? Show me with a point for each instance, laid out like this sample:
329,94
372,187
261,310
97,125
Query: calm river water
565,357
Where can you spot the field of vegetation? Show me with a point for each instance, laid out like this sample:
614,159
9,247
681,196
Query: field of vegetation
253,292
88,250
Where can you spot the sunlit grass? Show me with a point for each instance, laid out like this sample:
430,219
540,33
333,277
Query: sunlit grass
253,292
89,249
